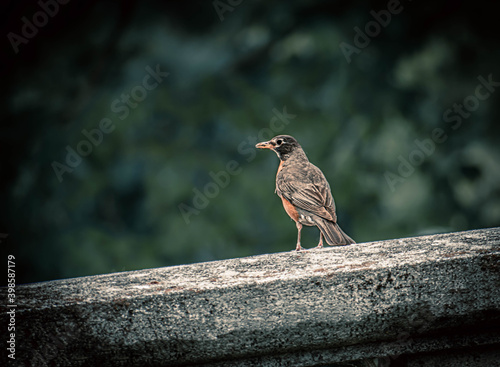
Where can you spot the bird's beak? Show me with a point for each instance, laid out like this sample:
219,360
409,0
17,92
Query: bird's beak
264,145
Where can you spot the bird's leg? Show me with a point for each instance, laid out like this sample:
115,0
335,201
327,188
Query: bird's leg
299,228
320,244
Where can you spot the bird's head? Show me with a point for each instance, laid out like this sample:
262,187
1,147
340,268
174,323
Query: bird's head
283,145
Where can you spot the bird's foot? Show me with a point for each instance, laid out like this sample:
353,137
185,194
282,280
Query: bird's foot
320,246
299,248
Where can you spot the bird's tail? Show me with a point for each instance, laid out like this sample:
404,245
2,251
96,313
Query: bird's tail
333,234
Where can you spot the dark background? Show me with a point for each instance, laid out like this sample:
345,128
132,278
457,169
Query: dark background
228,75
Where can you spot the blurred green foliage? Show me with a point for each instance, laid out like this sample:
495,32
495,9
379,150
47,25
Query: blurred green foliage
119,208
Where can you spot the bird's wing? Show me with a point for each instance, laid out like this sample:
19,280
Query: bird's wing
307,189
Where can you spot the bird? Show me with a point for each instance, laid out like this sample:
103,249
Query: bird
305,192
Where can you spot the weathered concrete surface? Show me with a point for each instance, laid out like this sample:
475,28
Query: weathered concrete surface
398,300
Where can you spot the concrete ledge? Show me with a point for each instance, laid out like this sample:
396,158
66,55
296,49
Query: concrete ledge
410,302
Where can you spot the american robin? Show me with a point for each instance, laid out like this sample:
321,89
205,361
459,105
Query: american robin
305,192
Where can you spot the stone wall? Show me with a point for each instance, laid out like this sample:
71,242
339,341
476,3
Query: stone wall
422,301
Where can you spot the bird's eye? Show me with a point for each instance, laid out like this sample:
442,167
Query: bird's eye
279,141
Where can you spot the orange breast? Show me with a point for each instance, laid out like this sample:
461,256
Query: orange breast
290,209
279,167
